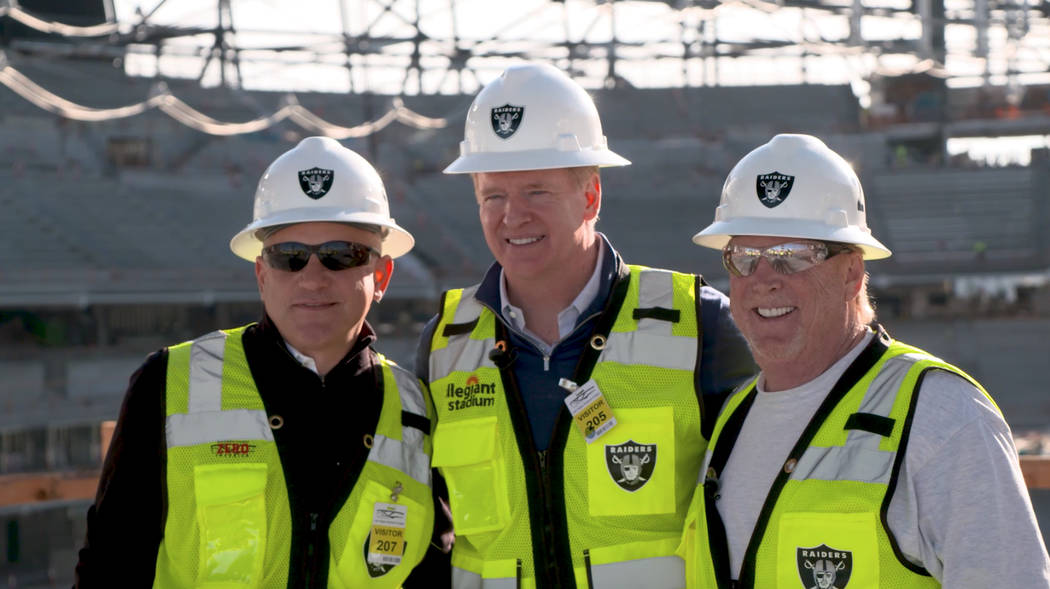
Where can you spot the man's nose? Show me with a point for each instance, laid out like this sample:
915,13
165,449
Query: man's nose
314,274
516,210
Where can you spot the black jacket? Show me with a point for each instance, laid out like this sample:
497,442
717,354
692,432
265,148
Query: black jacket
321,446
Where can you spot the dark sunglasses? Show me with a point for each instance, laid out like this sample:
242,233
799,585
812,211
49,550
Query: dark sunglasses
292,256
785,258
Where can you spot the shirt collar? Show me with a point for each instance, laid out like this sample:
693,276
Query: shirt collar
365,338
568,316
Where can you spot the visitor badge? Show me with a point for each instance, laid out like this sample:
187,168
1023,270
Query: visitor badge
589,409
386,542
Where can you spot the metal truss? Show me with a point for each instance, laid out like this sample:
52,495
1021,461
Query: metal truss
453,46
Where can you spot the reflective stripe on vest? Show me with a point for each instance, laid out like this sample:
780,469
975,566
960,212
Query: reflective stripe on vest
213,406
833,501
476,448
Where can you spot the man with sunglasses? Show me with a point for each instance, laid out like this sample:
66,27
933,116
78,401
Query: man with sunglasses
286,453
571,389
852,460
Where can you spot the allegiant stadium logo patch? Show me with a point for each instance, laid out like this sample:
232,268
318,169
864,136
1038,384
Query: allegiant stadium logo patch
473,393
232,449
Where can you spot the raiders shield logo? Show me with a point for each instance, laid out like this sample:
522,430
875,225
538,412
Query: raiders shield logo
630,464
506,119
823,567
774,188
316,182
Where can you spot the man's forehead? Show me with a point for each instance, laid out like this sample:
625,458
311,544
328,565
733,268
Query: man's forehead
321,231
524,178
763,240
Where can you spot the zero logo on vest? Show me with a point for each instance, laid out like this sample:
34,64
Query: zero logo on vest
823,567
630,464
232,449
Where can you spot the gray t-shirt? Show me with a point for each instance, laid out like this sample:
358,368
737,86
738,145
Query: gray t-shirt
961,509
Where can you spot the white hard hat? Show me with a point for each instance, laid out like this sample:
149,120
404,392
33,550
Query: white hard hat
532,117
320,180
793,186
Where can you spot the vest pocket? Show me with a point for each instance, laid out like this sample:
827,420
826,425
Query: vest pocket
231,516
353,567
827,549
631,469
468,455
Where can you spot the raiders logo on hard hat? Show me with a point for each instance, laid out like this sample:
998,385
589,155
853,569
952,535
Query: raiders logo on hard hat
630,464
316,182
506,119
773,188
823,567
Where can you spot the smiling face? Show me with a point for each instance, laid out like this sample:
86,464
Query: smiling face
320,311
539,224
797,325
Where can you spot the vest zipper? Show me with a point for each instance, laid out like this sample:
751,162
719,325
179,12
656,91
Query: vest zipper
310,572
536,463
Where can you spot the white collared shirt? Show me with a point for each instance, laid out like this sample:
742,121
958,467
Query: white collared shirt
566,318
304,360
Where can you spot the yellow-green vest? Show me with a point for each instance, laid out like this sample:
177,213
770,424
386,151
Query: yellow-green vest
228,523
607,533
826,511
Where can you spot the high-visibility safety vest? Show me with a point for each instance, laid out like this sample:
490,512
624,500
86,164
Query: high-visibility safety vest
823,523
229,523
604,514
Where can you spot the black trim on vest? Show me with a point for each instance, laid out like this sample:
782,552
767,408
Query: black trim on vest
709,404
543,548
452,329
716,531
415,420
602,326
658,313
871,422
892,485
853,374
587,567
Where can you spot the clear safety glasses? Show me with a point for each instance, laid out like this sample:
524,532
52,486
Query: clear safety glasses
785,258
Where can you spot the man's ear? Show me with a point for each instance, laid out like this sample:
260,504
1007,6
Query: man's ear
854,275
384,269
260,273
593,194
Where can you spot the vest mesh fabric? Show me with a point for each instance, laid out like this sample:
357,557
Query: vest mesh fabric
181,538
651,403
255,475
843,496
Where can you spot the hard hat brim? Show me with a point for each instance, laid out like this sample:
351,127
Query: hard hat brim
398,241
535,159
717,234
